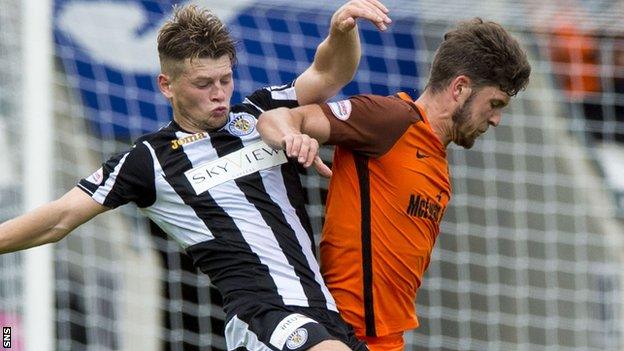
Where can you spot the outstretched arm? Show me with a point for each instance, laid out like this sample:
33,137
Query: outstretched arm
297,131
48,223
338,56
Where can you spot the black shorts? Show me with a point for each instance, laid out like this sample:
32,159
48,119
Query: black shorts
265,327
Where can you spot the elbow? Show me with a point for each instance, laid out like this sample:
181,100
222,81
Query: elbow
273,125
262,124
267,120
57,235
266,127
54,235
60,229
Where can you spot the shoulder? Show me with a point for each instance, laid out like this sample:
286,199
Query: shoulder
369,124
271,97
370,110
389,106
157,139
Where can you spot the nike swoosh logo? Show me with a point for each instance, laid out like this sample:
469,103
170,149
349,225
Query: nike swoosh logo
419,155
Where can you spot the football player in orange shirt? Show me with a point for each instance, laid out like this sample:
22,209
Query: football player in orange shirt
390,184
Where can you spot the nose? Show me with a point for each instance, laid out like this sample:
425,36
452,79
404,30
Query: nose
217,93
495,119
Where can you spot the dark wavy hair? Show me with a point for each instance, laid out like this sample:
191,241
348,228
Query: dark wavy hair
483,51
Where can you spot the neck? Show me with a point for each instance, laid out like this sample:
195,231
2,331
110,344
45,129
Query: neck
439,114
188,125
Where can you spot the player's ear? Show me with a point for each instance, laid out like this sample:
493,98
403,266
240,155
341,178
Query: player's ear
164,85
461,88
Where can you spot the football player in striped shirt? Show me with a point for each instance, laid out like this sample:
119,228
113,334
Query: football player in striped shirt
234,204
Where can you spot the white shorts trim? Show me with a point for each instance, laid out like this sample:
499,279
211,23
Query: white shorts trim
237,334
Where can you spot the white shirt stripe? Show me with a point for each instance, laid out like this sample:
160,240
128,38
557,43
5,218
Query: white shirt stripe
171,214
286,94
262,242
275,182
256,232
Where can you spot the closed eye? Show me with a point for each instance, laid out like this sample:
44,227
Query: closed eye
497,104
203,83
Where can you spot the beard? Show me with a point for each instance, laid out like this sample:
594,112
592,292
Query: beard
460,119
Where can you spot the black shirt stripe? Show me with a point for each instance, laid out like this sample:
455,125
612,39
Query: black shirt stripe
255,192
228,259
361,165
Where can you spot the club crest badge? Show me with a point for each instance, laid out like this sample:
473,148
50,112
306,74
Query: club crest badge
96,178
297,338
341,109
242,124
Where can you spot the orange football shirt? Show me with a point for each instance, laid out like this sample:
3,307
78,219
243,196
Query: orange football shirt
388,193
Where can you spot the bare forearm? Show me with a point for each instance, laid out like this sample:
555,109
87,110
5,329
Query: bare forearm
48,223
298,132
274,125
338,56
32,229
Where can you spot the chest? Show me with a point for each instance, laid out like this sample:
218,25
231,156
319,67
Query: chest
414,177
203,162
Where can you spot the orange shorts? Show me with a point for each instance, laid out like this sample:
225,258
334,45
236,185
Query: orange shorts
390,342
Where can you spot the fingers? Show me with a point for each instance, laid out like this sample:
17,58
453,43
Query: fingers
305,150
372,14
380,11
322,168
301,147
372,10
379,5
292,147
347,24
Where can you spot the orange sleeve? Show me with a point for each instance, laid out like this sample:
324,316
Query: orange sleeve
368,124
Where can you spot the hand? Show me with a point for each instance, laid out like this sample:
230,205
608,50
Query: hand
344,18
322,168
305,150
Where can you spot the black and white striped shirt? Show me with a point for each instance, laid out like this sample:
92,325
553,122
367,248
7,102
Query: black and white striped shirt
234,204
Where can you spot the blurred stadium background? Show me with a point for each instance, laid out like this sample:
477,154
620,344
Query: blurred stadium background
531,254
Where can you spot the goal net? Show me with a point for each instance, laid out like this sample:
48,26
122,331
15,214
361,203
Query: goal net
531,249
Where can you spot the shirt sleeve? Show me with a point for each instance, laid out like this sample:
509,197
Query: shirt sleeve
268,98
369,124
125,177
